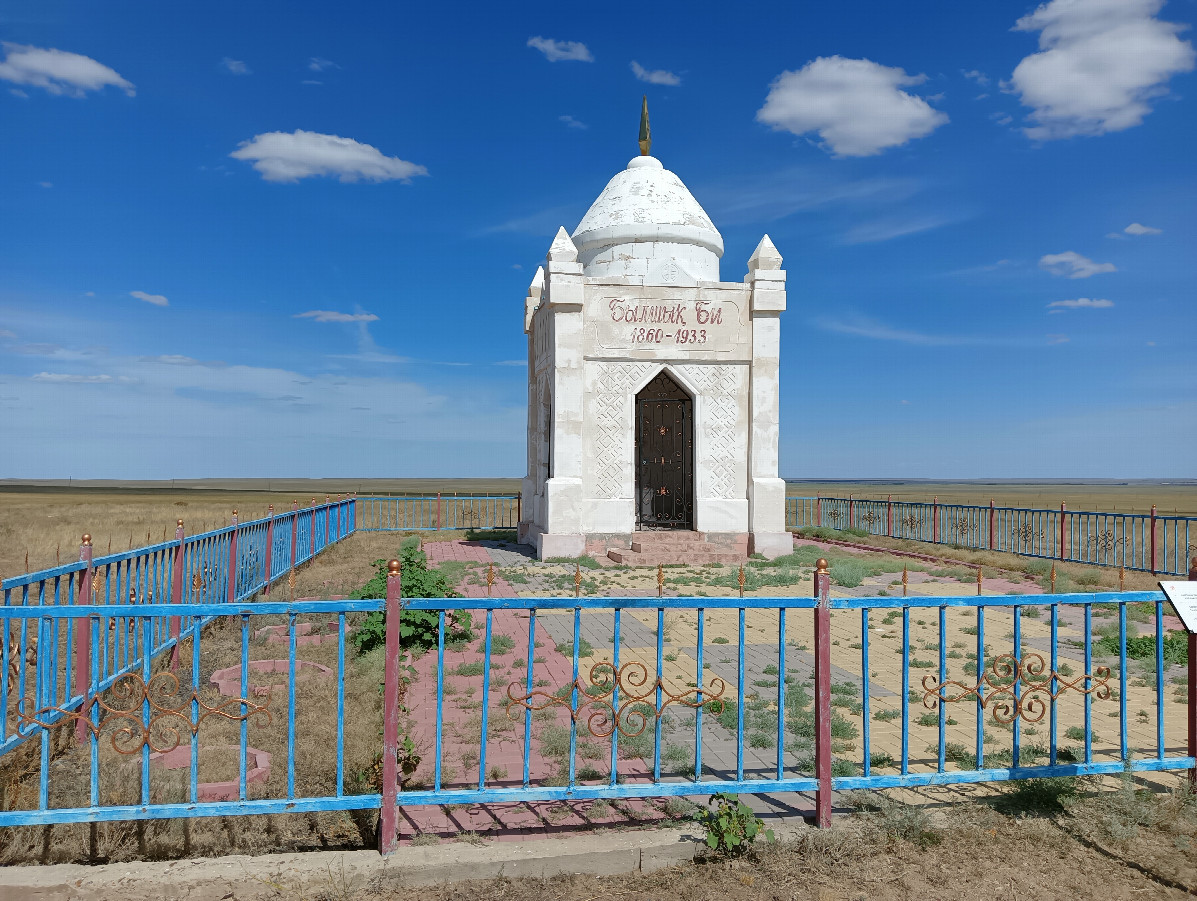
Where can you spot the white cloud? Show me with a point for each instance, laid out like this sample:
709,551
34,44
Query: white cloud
888,229
1073,265
1100,63
855,105
235,67
561,50
46,184
571,122
1081,303
333,316
156,299
655,76
283,157
865,327
1136,228
58,71
512,363
73,379
973,75
318,64
1057,339
5,333
170,360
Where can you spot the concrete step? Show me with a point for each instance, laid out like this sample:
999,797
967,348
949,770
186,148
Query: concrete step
694,557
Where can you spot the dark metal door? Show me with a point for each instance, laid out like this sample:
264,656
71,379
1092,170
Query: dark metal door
664,456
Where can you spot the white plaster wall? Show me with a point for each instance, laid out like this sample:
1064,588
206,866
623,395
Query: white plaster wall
635,259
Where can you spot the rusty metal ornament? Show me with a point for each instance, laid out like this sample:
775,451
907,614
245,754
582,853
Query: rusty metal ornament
1004,674
164,731
577,580
635,689
740,580
490,579
905,579
660,580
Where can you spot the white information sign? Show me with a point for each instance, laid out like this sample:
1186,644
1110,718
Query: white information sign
1183,596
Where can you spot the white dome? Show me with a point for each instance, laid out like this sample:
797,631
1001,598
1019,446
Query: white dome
646,218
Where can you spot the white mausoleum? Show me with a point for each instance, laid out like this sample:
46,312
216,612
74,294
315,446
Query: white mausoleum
652,385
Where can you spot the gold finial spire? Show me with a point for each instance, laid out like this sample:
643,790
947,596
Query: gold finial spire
646,135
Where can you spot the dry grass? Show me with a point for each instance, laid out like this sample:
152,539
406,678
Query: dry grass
45,524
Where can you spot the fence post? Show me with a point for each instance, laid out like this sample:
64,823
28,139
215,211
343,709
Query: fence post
388,821
889,516
1193,685
1153,539
1063,533
269,550
438,511
519,507
991,524
818,509
327,519
232,596
82,644
294,531
851,513
176,594
822,695
934,519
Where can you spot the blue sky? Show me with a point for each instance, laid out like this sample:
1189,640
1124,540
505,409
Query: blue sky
294,239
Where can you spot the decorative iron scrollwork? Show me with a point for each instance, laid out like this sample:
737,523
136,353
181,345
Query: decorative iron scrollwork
163,731
870,518
1027,535
1004,674
635,689
911,523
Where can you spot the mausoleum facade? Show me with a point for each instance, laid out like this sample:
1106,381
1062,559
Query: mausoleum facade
652,385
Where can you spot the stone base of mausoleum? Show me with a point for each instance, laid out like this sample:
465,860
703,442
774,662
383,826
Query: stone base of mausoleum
650,548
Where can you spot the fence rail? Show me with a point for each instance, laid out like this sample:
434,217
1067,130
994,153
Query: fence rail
1146,542
752,711
426,513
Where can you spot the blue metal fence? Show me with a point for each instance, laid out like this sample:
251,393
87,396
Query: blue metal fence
1019,690
1137,541
228,565
432,512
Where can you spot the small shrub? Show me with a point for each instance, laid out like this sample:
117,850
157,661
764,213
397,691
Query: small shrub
719,639
886,715
731,825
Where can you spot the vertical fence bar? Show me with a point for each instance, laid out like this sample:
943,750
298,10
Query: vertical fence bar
615,637
340,704
1192,711
269,561
906,690
82,645
1122,737
1053,723
440,699
388,829
232,596
573,698
1152,526
1063,533
822,694
1159,679
1088,683
740,700
657,699
781,689
176,594
943,678
528,690
486,697
864,668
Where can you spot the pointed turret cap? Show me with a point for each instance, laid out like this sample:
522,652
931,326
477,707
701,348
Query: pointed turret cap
765,256
537,287
562,250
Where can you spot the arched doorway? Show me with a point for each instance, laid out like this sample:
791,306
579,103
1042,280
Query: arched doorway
664,456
